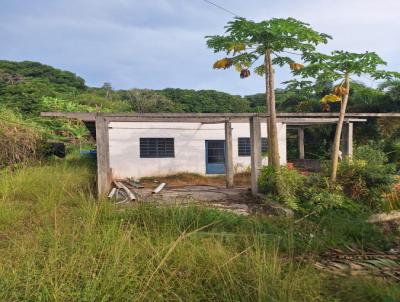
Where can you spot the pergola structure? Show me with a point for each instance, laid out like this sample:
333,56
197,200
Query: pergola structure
98,125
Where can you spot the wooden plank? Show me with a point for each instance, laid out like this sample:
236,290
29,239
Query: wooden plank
256,161
112,192
383,217
159,188
300,134
103,159
228,155
121,186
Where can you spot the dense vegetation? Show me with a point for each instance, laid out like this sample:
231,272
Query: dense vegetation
28,88
364,183
31,87
73,248
59,244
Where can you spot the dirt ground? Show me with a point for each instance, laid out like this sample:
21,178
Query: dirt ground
187,188
188,179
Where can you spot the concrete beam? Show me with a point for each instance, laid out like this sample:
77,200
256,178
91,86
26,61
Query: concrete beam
91,115
228,155
335,114
256,161
181,119
83,116
210,118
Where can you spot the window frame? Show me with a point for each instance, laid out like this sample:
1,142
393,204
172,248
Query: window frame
247,151
163,147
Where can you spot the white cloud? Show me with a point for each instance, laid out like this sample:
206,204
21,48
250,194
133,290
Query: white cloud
160,43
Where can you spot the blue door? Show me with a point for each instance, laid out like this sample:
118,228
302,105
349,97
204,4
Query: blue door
215,156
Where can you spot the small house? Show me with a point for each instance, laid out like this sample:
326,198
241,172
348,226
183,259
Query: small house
158,144
138,149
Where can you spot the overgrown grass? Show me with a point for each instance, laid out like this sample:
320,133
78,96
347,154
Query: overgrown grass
58,244
21,140
361,289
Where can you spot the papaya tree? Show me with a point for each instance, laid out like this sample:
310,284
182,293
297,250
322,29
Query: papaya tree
340,67
260,46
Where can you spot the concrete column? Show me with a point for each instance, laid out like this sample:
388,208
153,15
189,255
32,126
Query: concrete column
269,162
103,158
300,136
347,140
228,155
256,161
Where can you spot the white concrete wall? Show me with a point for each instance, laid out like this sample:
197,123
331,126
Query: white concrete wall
189,141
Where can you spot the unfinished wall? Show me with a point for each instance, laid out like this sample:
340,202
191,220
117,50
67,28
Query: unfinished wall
190,154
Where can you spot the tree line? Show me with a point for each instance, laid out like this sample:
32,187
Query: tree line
27,88
31,87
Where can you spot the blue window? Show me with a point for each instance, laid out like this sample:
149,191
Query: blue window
156,147
244,146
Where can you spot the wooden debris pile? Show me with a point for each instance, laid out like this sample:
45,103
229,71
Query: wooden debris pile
384,217
127,191
357,262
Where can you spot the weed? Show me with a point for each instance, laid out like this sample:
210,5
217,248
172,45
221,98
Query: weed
59,244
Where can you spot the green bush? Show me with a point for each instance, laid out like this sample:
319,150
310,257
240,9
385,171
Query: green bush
311,194
367,177
319,194
363,183
283,185
56,104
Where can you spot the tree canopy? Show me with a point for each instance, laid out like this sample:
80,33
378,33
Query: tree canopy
245,42
334,66
27,69
342,65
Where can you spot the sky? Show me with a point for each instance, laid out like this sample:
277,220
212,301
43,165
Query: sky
157,44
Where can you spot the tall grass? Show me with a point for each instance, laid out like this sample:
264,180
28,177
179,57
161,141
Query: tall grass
58,244
20,139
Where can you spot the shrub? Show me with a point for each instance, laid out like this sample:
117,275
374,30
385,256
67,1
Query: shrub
57,104
319,194
283,185
266,180
364,181
21,141
311,194
367,177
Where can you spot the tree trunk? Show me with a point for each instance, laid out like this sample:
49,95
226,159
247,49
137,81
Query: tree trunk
339,126
273,149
